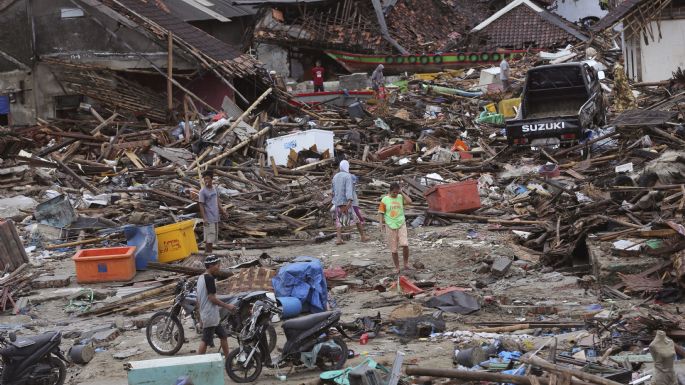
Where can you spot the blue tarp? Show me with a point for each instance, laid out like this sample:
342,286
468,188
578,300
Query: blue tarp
145,241
4,104
303,279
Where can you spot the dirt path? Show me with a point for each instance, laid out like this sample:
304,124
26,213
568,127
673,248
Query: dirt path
450,259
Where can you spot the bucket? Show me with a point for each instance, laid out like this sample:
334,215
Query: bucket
81,354
470,357
291,306
356,110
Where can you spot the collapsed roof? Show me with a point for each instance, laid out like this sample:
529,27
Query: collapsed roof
521,25
353,25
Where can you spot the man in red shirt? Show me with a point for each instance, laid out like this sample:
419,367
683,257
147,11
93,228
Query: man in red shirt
317,76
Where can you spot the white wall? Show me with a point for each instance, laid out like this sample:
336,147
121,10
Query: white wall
574,10
660,58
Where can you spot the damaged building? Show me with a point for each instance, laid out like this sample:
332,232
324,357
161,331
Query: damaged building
652,33
132,55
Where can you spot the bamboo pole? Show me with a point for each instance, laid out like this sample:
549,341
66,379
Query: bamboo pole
170,70
245,114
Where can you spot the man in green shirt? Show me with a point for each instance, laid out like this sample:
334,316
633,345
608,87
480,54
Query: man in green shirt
391,218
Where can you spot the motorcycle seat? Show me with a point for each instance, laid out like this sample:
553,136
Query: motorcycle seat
25,346
308,321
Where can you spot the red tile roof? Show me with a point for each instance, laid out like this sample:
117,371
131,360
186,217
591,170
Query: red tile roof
523,27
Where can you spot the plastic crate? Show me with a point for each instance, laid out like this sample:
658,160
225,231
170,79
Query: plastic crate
456,197
105,264
176,241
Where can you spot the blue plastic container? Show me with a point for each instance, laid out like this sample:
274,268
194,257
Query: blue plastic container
291,306
145,241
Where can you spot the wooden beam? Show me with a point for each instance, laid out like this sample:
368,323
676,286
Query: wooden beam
170,70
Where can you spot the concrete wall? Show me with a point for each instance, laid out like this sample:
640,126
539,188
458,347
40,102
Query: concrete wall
275,58
79,39
660,58
574,10
22,111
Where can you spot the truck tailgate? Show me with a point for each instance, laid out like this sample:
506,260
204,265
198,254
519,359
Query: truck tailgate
544,128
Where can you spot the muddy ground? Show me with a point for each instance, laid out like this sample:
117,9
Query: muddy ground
451,256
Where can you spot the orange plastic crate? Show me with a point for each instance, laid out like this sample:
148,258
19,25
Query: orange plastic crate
105,264
454,197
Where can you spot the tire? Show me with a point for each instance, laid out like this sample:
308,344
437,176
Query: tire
271,337
168,340
234,367
58,364
333,363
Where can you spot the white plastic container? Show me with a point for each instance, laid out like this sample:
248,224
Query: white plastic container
279,148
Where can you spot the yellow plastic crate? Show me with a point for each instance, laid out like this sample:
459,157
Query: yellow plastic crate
492,107
506,107
176,241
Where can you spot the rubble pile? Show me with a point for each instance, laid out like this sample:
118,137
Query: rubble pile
601,215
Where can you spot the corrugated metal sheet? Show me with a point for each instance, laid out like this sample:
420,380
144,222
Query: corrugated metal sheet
154,15
193,10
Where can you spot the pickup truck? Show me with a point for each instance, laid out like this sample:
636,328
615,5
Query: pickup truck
557,104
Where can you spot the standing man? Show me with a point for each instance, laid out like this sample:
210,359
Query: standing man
209,307
623,95
344,200
391,218
318,76
377,78
210,210
504,73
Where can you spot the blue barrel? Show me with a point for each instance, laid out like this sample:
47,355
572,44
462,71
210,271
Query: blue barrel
291,306
145,241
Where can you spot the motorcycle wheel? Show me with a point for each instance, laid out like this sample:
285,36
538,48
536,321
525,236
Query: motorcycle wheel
238,371
333,362
165,333
271,337
57,364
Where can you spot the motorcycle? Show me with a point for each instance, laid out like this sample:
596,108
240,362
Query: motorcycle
309,342
33,360
165,333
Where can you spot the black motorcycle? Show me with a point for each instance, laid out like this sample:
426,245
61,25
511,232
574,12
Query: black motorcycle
309,342
165,333
34,360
